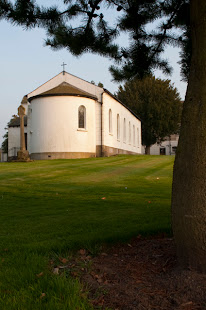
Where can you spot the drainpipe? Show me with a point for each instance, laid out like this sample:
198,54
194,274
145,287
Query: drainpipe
101,151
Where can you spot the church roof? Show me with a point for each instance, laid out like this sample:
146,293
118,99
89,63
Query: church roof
65,89
124,105
16,122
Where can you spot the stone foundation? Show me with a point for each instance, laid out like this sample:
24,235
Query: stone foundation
104,151
111,151
23,155
61,155
98,150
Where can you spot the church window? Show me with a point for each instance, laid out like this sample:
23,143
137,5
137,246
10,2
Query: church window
110,121
118,127
137,137
130,134
134,135
124,136
82,117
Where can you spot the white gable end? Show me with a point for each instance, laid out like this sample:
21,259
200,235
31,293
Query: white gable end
70,79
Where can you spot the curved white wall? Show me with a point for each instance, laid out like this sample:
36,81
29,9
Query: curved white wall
54,125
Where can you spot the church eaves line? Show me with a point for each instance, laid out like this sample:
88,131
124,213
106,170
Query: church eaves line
124,105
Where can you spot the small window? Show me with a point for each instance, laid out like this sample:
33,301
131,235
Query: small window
110,121
82,117
137,137
133,135
130,134
124,140
118,127
162,151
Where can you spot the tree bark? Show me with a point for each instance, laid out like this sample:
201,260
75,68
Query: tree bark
189,178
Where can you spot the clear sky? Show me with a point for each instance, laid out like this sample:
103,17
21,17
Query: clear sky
25,64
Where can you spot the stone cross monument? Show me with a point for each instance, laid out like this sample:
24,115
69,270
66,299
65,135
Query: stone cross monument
23,154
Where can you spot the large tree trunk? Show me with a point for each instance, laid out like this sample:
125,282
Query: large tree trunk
189,182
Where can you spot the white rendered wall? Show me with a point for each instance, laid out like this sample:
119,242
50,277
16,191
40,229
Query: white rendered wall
71,79
14,140
54,125
3,157
110,139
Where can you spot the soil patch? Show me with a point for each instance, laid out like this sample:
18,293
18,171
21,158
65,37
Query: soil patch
141,275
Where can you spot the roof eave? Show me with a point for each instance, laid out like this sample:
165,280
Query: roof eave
124,105
62,94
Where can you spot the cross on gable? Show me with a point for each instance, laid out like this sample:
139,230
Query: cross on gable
63,65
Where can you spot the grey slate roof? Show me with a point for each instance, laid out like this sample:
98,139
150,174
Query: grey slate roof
65,89
16,122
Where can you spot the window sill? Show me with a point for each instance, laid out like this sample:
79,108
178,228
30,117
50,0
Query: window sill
111,134
82,129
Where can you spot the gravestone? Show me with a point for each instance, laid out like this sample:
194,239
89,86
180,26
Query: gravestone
23,154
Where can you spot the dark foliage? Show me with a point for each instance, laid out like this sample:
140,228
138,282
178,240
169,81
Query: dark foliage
158,105
4,144
81,26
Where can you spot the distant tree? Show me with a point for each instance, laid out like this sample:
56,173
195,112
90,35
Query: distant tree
4,144
158,105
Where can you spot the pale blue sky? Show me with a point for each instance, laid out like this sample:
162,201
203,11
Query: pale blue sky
26,64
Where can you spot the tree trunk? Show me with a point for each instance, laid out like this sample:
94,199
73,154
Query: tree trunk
147,150
189,180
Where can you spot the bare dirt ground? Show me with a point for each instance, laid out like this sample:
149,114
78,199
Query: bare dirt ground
140,275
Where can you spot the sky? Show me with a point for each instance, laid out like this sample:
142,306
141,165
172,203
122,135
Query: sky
26,63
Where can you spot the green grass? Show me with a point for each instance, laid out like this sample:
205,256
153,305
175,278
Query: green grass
56,207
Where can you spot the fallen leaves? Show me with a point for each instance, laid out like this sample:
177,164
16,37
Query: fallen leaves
42,295
82,252
39,274
63,260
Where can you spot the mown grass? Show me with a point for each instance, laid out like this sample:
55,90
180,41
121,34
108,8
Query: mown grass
55,207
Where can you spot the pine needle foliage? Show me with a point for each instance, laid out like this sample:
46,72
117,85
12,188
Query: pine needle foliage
81,26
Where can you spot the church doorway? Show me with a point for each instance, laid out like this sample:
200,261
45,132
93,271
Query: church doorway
162,151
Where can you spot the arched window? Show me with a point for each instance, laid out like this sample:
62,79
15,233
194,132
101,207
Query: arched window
110,121
137,137
118,127
82,117
133,135
130,134
124,127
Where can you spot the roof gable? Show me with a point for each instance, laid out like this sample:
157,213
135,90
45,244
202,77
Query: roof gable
84,86
65,89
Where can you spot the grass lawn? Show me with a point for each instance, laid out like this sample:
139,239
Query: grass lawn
52,208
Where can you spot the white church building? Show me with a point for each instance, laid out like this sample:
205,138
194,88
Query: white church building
68,117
